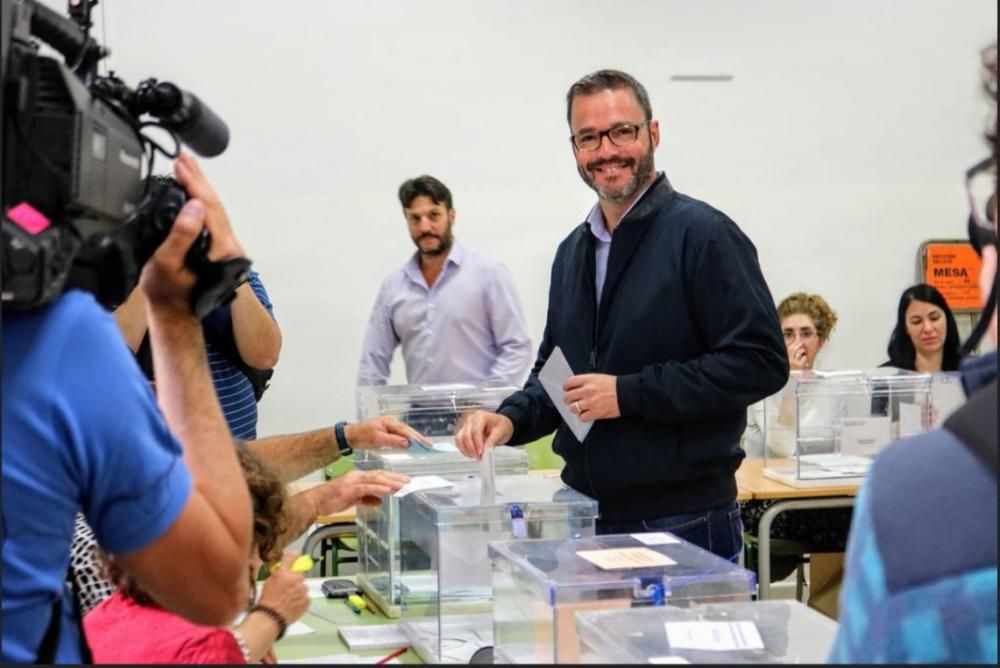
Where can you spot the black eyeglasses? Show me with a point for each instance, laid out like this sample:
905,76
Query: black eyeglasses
981,189
622,134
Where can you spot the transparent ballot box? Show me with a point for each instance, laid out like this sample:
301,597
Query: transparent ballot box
758,632
446,582
826,427
433,410
378,526
540,585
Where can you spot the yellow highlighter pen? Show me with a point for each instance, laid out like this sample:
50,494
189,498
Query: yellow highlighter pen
356,603
300,565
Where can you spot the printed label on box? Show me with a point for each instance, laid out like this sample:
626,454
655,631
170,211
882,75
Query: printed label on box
718,636
864,436
626,557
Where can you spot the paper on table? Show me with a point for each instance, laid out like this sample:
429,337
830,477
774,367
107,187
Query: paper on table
315,587
626,557
553,376
299,629
719,636
339,659
422,482
832,465
376,636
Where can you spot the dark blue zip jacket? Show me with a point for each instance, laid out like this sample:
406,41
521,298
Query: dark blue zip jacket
688,326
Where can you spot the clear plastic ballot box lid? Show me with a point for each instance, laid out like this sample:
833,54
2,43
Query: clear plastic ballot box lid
538,586
446,590
433,410
758,632
442,461
826,427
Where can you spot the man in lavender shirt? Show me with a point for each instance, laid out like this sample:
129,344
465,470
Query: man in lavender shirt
455,311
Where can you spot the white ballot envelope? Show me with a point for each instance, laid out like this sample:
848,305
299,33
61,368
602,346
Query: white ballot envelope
553,376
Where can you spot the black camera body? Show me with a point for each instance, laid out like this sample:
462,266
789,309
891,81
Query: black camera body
78,212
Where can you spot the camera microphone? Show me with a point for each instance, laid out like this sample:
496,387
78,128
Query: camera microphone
185,114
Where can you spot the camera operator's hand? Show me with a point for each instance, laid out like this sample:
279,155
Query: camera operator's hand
189,175
165,280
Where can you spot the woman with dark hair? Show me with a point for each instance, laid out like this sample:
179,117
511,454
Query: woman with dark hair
130,627
926,335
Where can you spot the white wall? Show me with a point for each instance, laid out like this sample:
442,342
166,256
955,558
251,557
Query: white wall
838,146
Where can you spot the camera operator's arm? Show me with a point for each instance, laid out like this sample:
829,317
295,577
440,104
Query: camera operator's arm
131,319
257,335
199,567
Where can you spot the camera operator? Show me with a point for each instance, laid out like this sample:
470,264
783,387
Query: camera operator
238,335
164,491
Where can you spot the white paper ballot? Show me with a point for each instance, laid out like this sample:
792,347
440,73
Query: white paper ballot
444,446
445,387
910,419
375,636
315,587
336,659
487,474
299,629
422,482
719,636
553,376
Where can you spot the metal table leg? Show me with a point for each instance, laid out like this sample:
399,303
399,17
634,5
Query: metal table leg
764,533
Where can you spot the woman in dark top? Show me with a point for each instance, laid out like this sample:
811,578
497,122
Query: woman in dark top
926,336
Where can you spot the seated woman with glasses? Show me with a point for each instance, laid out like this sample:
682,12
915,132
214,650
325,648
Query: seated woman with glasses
806,323
129,627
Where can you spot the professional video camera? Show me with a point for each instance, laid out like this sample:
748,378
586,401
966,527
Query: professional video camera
78,211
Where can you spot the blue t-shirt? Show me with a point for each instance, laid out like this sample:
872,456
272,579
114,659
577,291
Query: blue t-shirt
231,385
81,431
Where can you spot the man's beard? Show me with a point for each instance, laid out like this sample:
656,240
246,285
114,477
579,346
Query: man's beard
444,243
640,176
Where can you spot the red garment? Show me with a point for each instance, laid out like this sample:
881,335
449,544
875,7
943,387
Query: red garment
121,631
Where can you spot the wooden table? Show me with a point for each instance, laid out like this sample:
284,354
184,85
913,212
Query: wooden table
750,478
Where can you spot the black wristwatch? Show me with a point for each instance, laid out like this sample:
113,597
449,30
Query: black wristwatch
344,448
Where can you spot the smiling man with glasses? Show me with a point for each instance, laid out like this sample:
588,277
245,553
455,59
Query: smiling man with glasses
658,303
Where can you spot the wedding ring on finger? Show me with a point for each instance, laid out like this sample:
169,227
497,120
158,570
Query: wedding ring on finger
576,407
